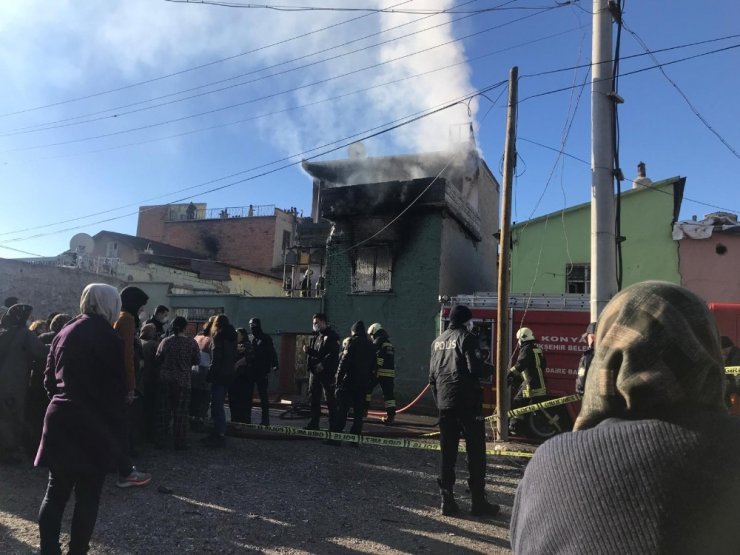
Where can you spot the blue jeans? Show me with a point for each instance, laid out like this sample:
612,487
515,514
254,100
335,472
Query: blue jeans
218,395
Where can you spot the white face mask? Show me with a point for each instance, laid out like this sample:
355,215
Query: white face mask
316,328
469,325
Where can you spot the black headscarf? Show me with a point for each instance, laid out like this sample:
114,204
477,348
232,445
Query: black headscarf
16,316
358,329
132,299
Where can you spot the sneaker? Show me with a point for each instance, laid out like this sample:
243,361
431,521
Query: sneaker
135,479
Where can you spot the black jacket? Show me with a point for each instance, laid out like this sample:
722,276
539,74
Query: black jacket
386,356
531,366
265,357
223,361
583,366
455,370
357,364
324,349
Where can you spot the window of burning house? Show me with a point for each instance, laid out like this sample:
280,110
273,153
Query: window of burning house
578,278
372,269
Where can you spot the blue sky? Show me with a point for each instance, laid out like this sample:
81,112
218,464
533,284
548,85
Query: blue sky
69,149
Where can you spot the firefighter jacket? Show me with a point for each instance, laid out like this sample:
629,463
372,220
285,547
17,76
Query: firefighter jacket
323,352
455,370
531,366
356,364
583,366
385,355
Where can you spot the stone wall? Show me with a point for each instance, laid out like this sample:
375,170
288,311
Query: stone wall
47,288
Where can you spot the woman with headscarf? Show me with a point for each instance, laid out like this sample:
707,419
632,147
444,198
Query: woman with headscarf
19,348
653,464
127,325
83,435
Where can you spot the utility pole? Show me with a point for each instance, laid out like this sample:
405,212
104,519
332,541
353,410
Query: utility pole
603,240
502,313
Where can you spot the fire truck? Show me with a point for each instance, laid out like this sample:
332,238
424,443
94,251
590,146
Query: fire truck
558,322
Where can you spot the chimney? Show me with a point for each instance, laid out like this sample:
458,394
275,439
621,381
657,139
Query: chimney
642,180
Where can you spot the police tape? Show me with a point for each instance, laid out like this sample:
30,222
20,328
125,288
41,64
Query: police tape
407,443
539,406
732,370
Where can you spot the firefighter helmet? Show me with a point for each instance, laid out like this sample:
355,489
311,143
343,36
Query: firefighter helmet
374,328
525,334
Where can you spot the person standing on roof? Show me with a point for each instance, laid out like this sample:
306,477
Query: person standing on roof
586,358
454,375
385,373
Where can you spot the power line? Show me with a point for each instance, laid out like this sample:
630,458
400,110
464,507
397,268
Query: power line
22,251
195,68
346,9
90,115
344,143
260,98
321,101
683,95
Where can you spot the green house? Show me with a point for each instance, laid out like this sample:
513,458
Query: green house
551,254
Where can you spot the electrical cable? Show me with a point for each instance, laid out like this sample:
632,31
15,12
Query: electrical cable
618,10
73,119
265,97
194,68
344,144
683,95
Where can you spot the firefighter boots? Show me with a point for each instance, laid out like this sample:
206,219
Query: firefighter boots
449,506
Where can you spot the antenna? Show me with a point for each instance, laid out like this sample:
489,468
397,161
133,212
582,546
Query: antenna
82,243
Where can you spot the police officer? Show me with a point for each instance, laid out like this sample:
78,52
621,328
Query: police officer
385,373
454,375
356,366
323,358
264,360
586,358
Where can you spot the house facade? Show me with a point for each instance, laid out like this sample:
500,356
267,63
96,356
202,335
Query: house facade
551,254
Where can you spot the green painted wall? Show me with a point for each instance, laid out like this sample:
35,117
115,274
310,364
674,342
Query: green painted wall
410,312
543,247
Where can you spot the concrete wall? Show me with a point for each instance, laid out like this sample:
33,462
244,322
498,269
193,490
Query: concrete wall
409,312
251,242
711,267
47,288
545,246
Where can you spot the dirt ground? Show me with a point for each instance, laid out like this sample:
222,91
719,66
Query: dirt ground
275,496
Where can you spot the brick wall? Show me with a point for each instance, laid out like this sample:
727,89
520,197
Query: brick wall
244,242
47,288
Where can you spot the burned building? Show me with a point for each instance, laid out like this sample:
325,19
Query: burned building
405,230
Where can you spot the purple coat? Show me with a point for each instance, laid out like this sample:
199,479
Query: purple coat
85,379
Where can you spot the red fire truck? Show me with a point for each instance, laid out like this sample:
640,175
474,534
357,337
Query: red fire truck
558,322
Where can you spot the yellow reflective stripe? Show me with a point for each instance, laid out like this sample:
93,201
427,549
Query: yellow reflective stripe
390,403
383,373
732,370
380,361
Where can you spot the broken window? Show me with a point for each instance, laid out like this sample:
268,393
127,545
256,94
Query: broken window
372,269
578,278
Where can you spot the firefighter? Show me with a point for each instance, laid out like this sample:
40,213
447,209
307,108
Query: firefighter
323,356
356,366
586,358
530,370
385,373
454,376
530,366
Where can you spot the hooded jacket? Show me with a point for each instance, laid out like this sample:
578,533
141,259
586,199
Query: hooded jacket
357,362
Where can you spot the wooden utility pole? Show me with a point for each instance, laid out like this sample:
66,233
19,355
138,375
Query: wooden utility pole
502,313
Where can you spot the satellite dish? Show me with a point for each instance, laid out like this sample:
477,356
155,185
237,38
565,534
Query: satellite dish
82,243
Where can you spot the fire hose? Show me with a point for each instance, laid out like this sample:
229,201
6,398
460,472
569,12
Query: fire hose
379,414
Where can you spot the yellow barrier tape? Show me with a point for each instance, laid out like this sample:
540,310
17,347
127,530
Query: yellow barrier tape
539,406
365,440
732,370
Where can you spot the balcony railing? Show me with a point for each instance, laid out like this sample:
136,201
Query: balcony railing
180,213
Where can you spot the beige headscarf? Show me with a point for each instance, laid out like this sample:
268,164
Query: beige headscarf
657,351
101,299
